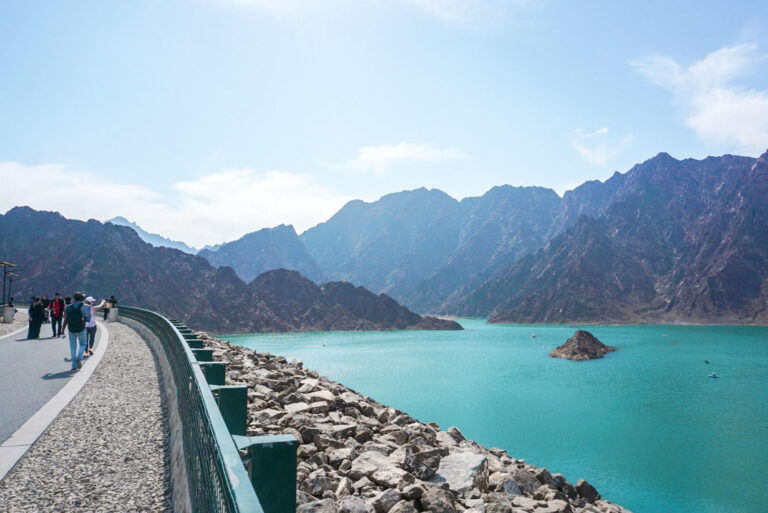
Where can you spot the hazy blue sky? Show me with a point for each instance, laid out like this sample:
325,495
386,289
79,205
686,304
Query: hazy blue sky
206,119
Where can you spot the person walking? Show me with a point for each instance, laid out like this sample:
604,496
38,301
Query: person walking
36,316
90,326
111,303
57,315
75,318
46,309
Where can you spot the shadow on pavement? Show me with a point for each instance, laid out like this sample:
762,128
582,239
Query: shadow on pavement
58,375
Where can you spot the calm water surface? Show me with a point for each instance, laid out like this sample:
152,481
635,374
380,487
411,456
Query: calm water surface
645,425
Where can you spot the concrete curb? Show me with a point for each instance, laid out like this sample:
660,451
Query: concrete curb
12,450
7,335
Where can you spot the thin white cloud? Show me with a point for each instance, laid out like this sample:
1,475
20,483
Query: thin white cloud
717,109
598,147
213,208
377,159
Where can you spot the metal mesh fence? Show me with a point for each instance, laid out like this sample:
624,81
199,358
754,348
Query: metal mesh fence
216,477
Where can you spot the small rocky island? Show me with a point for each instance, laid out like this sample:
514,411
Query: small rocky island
583,345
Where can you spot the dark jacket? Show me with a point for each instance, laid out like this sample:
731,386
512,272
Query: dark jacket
36,312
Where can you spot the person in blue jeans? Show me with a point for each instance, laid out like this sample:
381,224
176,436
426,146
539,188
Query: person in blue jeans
75,318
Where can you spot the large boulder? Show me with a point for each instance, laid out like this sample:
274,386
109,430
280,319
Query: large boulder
583,345
323,506
368,463
353,504
385,501
587,491
525,480
422,464
463,471
437,500
319,482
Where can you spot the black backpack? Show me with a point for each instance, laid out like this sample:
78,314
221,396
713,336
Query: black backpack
75,319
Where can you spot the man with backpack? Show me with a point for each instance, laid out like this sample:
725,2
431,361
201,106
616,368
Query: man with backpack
75,317
57,314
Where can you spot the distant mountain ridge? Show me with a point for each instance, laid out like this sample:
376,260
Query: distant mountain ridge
153,238
429,250
680,241
264,250
106,259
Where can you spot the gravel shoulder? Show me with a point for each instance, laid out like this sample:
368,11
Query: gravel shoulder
107,450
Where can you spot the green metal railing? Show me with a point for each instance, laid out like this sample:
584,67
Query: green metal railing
214,418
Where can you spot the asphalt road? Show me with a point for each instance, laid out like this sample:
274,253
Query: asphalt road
32,372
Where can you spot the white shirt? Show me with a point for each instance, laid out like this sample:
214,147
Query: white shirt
92,322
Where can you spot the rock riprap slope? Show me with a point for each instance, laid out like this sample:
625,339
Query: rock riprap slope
359,456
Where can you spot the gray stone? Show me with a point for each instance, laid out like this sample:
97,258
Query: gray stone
414,491
525,480
324,442
319,482
336,456
437,500
544,477
422,465
353,504
445,439
343,431
587,491
548,493
368,463
555,506
525,503
345,487
456,434
404,507
322,395
392,477
385,501
306,451
499,507
295,433
323,506
319,407
363,483
297,407
463,471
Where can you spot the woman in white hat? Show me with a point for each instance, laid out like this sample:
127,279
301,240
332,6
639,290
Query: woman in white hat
90,326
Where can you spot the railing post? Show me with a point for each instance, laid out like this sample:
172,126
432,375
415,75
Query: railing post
215,372
203,355
233,405
271,465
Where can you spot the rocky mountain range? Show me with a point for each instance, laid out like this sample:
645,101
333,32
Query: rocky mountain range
679,241
58,254
264,250
670,240
152,238
429,250
389,245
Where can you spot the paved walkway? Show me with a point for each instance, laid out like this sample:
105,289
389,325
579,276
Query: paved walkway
33,371
107,450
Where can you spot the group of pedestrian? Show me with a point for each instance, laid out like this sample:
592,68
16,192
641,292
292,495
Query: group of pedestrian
43,310
78,314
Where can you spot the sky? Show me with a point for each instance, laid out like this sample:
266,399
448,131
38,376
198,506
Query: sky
203,120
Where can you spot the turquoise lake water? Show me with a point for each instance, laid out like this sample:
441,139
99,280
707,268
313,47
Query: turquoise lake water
645,425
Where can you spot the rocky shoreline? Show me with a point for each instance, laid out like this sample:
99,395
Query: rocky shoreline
359,456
